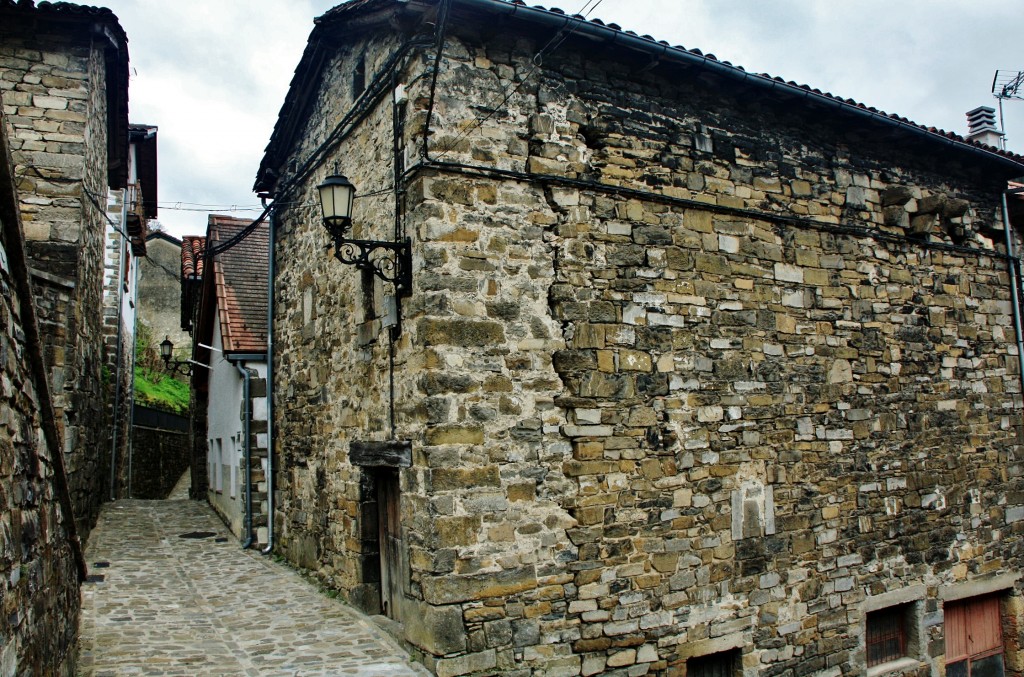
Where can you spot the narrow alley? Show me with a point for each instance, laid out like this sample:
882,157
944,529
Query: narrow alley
172,593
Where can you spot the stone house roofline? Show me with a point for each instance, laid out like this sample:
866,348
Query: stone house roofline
362,14
235,285
144,138
93,22
161,235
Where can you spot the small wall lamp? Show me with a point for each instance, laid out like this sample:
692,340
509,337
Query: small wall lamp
390,261
183,367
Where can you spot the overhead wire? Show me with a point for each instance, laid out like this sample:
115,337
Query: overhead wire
577,20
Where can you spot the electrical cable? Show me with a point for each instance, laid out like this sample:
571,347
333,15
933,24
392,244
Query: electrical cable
782,219
561,36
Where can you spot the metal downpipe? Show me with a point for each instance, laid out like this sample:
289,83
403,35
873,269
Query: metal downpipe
115,412
270,384
1013,267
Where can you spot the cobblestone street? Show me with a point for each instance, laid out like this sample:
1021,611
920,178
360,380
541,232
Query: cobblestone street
200,605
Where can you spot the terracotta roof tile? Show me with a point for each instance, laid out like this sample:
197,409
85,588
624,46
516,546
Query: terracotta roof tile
240,279
192,248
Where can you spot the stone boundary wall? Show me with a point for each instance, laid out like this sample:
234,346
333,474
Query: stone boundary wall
158,459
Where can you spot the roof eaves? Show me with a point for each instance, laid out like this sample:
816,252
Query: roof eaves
298,93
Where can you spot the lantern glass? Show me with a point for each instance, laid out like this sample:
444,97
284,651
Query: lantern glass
165,348
336,196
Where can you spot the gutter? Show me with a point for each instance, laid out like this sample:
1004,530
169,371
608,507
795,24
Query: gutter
270,381
122,256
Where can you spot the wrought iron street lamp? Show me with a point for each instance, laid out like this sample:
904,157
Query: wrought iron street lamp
183,367
390,261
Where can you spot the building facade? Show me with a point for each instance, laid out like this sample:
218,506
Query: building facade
64,75
701,372
229,335
127,234
41,559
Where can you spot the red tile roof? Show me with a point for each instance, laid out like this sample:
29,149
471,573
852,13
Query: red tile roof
240,281
192,249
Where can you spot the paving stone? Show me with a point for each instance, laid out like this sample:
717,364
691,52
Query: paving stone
188,606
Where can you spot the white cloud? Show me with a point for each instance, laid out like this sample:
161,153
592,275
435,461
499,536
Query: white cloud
213,75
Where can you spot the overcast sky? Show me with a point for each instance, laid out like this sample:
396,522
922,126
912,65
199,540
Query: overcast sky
212,75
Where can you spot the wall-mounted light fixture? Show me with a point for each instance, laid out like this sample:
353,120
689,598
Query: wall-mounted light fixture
183,367
390,261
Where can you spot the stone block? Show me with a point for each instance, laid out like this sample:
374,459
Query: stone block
466,664
922,224
896,196
460,332
446,479
455,434
452,589
437,629
933,204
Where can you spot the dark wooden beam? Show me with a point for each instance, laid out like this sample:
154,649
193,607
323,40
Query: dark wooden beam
389,454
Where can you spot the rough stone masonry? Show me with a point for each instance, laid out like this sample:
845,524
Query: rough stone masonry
60,76
690,370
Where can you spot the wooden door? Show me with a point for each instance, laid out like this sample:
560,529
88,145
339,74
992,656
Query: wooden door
391,547
974,638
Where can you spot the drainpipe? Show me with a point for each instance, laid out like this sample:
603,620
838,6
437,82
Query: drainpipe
122,256
131,375
247,454
270,384
1012,267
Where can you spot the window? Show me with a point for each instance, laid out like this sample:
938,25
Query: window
359,78
219,469
974,637
234,466
887,636
213,463
721,664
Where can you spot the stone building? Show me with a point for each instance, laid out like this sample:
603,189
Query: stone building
128,213
41,560
160,291
229,332
64,86
700,372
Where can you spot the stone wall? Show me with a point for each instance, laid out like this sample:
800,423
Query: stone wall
38,574
54,96
160,292
118,342
321,405
160,453
683,372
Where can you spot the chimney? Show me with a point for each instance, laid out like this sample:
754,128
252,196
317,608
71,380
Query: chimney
981,123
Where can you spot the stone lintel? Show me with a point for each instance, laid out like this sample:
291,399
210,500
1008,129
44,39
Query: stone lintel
52,279
979,586
390,453
706,647
911,593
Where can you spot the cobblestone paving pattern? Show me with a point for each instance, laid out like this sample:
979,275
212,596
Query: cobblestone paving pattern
195,606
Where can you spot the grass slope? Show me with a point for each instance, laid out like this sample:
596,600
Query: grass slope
159,391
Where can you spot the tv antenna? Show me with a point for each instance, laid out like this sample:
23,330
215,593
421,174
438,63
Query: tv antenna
1006,85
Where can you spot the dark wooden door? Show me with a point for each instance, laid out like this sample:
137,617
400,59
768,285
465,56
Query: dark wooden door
391,547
